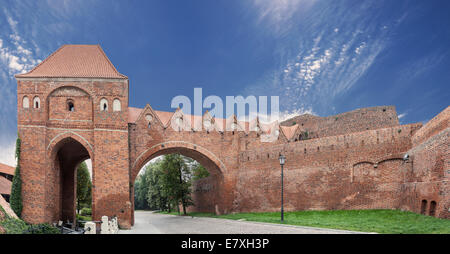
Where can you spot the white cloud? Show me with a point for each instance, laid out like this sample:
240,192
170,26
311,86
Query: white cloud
360,48
21,50
402,115
14,64
18,60
7,153
282,116
12,23
278,14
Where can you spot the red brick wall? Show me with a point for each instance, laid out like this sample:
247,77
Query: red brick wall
428,179
355,171
356,163
46,192
348,122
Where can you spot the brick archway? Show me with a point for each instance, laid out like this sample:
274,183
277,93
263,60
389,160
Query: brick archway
208,192
181,147
65,153
120,142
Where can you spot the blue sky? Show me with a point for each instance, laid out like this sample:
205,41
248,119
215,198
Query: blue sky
321,57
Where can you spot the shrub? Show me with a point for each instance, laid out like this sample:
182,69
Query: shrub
42,229
16,226
86,211
13,226
16,188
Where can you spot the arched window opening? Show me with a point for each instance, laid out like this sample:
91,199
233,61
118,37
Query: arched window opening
25,102
117,105
36,102
432,208
423,207
103,105
70,106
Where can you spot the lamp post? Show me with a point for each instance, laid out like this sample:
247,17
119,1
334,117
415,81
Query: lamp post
282,161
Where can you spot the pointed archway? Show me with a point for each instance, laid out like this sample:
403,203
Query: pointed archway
61,192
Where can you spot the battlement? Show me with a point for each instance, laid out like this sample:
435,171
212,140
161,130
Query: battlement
433,127
354,121
332,144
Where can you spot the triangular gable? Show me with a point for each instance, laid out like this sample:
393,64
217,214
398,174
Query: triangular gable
208,123
179,121
149,110
232,124
289,131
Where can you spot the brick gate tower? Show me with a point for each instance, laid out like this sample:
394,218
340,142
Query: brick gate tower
74,106
70,106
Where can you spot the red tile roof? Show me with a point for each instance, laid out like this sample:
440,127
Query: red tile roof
5,186
6,169
75,61
133,114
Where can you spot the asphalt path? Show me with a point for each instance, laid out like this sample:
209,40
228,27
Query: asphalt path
154,223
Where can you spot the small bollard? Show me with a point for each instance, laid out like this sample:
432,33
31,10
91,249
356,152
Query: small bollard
105,225
89,228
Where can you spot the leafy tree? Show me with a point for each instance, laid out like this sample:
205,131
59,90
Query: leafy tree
140,191
166,183
16,188
198,171
84,187
155,195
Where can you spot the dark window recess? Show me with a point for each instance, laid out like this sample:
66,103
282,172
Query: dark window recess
423,207
432,208
70,106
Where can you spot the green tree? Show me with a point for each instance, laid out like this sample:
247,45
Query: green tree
198,171
140,191
84,186
167,183
16,188
155,195
170,180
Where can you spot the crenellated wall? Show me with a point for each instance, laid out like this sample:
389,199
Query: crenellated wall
354,121
429,176
352,160
362,170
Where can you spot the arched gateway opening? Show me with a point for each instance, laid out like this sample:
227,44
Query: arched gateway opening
61,181
206,192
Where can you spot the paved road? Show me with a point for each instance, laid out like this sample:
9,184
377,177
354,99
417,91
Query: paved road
154,223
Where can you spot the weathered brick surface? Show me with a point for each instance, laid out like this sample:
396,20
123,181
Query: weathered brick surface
55,140
349,165
354,121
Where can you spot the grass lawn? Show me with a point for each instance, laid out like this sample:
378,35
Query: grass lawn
380,221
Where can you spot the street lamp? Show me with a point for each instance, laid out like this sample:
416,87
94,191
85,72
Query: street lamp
282,161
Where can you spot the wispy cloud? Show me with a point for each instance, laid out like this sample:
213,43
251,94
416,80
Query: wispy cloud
277,14
323,55
7,152
16,56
